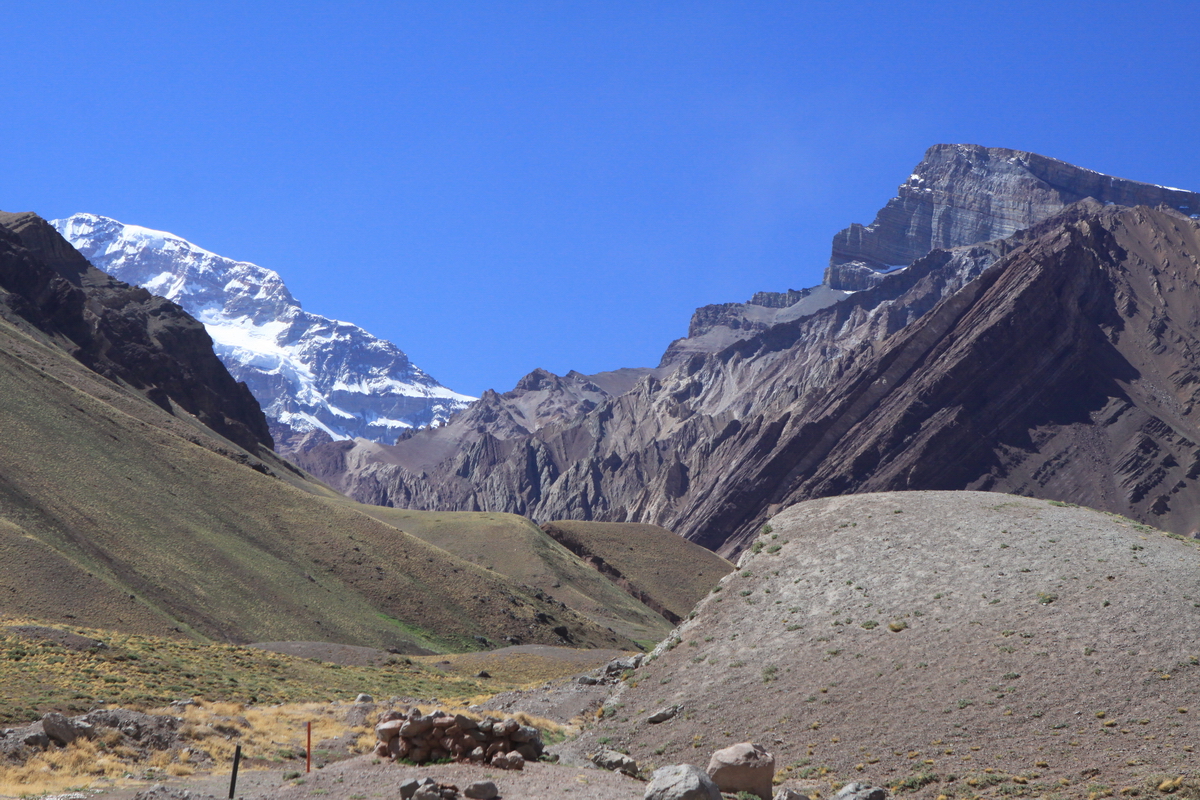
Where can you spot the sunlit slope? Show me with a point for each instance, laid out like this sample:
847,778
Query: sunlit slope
117,520
516,548
668,572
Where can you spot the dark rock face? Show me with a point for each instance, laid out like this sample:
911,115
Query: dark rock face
121,332
962,194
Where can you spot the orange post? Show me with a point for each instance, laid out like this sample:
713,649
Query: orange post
308,751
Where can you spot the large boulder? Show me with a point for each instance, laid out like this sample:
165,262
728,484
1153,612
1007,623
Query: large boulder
63,731
681,782
743,767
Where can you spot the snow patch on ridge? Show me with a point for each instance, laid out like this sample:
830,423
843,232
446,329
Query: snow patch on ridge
308,372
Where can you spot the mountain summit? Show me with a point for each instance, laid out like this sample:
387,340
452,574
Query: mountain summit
314,376
961,194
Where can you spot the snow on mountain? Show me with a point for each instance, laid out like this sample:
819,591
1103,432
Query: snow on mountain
309,373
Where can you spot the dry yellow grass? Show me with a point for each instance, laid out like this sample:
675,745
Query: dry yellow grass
520,669
210,732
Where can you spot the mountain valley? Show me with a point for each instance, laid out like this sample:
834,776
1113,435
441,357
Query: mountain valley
960,480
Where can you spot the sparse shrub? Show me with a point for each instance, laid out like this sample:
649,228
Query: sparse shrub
869,624
768,673
897,625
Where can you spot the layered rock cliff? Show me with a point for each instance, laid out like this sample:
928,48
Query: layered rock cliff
961,194
958,195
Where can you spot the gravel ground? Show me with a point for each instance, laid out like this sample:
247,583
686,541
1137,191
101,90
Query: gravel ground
360,778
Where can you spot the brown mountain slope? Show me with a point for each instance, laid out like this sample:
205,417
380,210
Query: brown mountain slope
665,571
517,549
1068,371
957,643
114,513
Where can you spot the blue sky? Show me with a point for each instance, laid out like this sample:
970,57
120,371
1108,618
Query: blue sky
499,186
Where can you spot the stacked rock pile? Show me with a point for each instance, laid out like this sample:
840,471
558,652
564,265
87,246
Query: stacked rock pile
421,738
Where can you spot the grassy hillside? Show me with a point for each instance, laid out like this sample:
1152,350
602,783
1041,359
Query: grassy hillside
115,514
513,546
73,669
667,571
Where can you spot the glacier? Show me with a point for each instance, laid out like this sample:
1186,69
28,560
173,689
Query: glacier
315,377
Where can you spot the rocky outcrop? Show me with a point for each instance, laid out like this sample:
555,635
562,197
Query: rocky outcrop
137,732
715,327
121,332
961,194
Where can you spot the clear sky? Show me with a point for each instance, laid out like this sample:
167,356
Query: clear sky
498,186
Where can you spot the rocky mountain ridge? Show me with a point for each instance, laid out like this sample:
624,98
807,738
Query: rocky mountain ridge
958,195
713,444
316,378
961,194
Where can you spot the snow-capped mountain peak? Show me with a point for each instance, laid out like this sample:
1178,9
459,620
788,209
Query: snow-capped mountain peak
309,373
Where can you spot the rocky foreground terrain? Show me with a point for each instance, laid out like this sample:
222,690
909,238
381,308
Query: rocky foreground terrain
964,644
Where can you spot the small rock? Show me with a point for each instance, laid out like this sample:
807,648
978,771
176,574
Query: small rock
409,788
790,794
483,673
508,761
386,731
861,791
662,715
743,767
525,733
681,782
482,790
364,698
616,762
586,680
619,665
35,736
